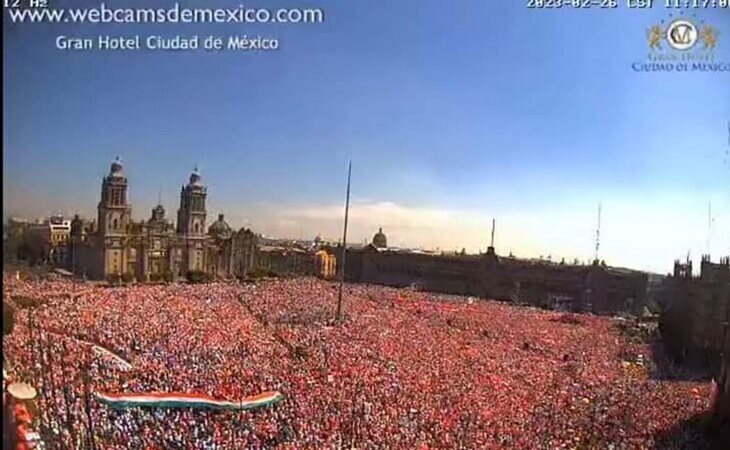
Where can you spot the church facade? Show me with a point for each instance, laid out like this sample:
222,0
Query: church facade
115,246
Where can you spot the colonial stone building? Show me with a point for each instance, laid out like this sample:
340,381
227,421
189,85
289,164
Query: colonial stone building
291,260
117,246
43,242
695,313
593,288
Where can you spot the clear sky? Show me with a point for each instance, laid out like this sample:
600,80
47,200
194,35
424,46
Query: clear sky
452,112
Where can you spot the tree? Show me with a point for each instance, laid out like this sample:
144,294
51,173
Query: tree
24,251
113,278
167,276
197,276
8,318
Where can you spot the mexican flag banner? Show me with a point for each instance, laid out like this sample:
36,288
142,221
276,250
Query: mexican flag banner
185,400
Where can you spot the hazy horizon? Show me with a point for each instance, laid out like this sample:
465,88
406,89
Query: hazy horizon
452,116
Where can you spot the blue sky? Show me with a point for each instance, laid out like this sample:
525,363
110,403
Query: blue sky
452,112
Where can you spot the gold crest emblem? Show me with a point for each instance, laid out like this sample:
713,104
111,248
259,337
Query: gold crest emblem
709,37
655,35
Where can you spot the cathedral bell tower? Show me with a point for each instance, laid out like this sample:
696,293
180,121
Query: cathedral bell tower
191,215
191,223
115,216
114,210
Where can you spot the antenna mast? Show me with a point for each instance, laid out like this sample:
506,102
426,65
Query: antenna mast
598,232
494,221
709,225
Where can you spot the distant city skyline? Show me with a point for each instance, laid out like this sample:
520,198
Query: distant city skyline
452,116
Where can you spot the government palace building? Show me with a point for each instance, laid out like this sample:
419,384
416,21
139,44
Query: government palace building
115,246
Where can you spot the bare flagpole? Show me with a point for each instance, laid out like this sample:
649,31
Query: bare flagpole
344,244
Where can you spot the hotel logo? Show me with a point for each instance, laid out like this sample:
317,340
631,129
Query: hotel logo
681,44
682,34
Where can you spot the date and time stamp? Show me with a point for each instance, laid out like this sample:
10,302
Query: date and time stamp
530,4
628,4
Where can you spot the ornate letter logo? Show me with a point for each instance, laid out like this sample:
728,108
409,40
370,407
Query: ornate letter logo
682,34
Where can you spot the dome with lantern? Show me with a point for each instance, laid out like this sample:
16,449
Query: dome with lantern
379,240
117,169
220,228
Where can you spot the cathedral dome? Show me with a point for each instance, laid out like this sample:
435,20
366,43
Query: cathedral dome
220,228
379,240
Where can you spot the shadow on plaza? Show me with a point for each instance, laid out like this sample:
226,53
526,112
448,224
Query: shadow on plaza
665,367
696,433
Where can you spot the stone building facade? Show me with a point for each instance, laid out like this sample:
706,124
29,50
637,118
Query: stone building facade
695,313
722,405
116,246
582,288
326,264
43,241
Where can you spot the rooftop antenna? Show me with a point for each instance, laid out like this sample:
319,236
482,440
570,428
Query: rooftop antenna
344,243
494,222
598,232
709,225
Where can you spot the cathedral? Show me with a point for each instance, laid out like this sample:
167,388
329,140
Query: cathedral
114,246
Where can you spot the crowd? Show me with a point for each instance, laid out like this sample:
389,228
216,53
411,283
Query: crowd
404,370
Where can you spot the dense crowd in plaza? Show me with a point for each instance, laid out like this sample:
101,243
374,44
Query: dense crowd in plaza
405,370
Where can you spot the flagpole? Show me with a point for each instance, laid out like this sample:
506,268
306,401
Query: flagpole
344,244
87,401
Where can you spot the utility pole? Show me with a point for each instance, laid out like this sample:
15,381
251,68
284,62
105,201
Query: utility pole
87,398
73,266
344,244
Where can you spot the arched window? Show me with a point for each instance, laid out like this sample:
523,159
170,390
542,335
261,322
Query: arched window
196,227
115,223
